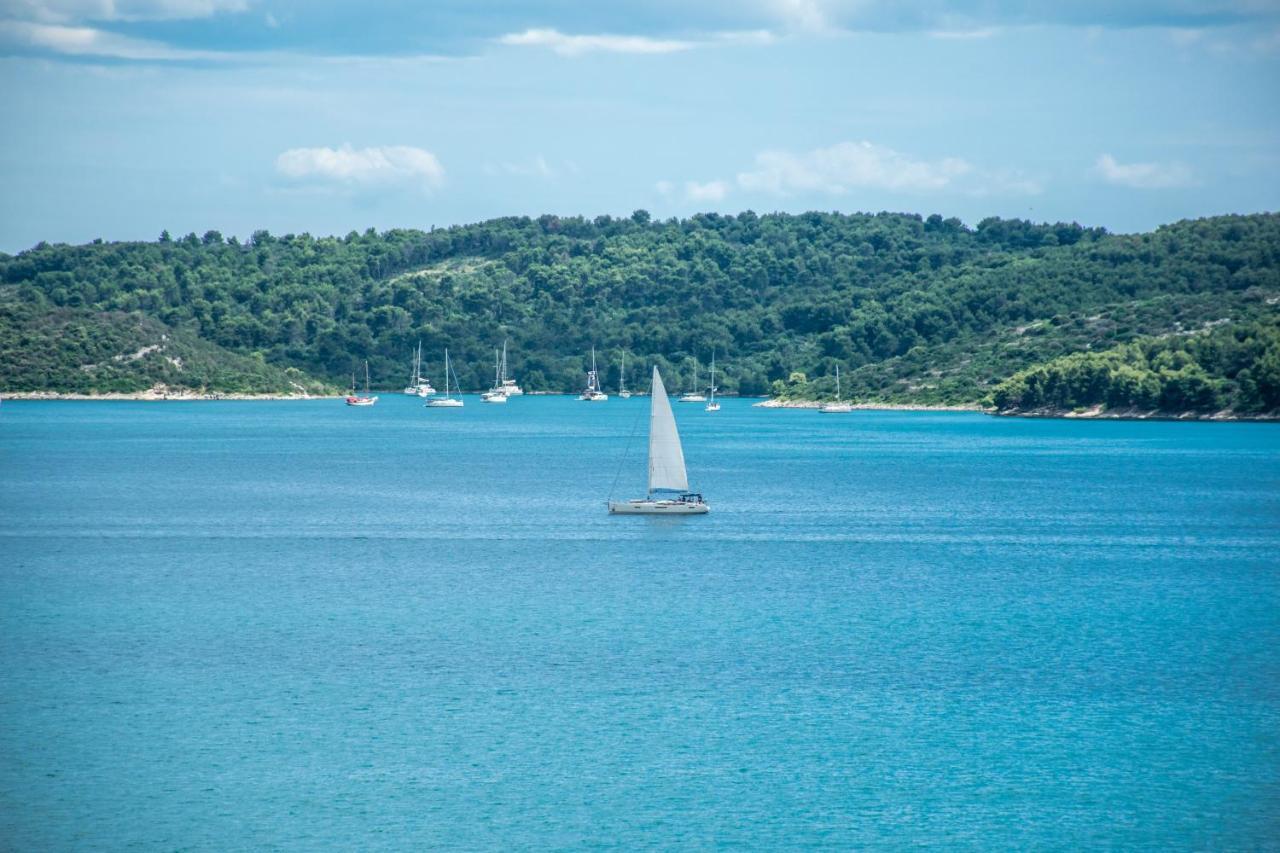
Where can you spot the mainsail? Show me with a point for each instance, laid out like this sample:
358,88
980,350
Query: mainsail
666,459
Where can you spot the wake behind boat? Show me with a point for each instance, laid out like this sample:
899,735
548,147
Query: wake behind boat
668,481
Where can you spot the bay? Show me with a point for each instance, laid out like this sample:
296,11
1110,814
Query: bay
286,625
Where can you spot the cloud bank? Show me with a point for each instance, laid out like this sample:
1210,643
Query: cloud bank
388,165
1144,176
849,165
576,45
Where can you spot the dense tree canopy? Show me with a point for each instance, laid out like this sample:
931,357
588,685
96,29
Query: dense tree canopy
1233,367
912,308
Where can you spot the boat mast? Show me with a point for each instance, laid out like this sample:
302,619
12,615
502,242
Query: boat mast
837,383
713,376
622,374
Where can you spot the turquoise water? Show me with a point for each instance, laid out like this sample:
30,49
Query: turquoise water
289,625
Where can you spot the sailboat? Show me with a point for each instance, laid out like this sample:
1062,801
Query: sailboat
508,385
592,393
836,408
495,394
447,402
693,396
412,388
712,405
418,385
622,380
668,482
354,399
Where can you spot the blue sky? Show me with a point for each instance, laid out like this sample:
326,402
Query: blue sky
126,117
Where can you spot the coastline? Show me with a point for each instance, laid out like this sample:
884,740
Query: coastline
1098,413
155,396
887,407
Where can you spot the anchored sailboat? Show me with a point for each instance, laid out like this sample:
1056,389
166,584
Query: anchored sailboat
354,399
668,482
712,405
496,394
418,385
622,380
836,408
447,402
508,385
693,395
592,393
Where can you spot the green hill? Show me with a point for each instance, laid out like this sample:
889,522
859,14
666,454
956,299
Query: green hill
83,351
1234,368
913,309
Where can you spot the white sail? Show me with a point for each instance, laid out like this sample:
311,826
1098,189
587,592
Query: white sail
666,458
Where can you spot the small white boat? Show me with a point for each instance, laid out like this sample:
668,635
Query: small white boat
693,396
712,405
354,399
496,394
447,402
668,481
507,384
836,408
623,393
592,393
418,385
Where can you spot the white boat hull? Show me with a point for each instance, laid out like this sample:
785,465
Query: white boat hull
643,507
692,398
444,403
835,408
594,398
494,398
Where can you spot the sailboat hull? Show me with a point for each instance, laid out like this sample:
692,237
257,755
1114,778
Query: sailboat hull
644,507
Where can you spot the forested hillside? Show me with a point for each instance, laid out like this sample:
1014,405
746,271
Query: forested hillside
913,309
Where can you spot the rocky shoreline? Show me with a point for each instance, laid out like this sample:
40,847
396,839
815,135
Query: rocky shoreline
1134,414
160,396
891,407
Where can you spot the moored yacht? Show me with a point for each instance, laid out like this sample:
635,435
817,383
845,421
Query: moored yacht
447,402
836,407
693,395
354,399
592,393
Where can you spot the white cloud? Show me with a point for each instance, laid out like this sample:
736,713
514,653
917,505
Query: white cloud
87,41
806,16
849,165
568,45
535,168
983,33
67,11
709,191
1146,176
377,166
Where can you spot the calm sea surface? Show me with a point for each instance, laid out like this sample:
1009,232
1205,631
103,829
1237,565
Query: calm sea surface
286,625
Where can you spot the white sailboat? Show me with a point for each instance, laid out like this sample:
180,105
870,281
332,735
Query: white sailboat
622,380
508,385
496,394
668,481
592,393
712,405
836,408
354,399
418,385
693,396
447,402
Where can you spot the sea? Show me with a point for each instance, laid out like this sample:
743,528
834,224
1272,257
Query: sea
296,625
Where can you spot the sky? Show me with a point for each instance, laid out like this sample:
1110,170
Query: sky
123,118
